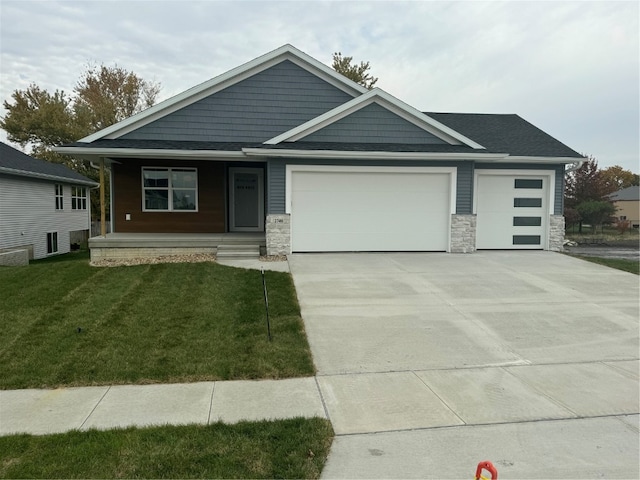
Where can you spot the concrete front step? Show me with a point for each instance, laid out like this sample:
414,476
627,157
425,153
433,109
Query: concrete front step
238,251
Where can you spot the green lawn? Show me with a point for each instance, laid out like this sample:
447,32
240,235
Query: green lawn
65,323
631,266
294,448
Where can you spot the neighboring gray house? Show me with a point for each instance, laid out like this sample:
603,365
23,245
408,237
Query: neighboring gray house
41,204
288,154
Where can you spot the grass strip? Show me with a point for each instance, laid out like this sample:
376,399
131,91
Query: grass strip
631,266
295,448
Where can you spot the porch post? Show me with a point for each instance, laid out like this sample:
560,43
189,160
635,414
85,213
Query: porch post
103,224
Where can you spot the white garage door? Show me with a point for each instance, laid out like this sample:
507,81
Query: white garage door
512,211
334,211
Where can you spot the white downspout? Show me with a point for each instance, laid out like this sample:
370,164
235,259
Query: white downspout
574,166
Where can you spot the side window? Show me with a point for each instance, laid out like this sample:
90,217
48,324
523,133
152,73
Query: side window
59,196
78,198
52,242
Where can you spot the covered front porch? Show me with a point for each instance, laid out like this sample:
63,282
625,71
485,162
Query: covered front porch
122,246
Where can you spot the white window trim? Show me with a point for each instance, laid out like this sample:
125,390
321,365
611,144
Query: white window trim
169,189
79,198
59,196
47,245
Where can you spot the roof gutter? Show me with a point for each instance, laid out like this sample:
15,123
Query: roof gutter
342,154
147,153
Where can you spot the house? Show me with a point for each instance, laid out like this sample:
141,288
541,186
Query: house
43,205
287,153
627,203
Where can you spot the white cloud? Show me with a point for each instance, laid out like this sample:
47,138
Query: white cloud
571,68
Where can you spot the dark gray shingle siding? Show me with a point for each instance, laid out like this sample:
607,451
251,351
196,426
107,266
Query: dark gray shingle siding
253,110
276,174
464,189
373,124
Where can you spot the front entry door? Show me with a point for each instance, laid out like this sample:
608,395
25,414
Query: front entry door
246,200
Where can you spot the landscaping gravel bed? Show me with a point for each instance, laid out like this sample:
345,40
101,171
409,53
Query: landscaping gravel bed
192,258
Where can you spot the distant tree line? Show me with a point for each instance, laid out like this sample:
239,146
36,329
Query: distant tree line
587,193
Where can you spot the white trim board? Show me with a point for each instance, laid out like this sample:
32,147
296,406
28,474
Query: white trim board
370,155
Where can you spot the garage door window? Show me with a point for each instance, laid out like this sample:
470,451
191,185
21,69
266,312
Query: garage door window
526,239
527,221
527,202
528,183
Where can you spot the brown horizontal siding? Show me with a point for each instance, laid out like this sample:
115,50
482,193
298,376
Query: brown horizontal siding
127,193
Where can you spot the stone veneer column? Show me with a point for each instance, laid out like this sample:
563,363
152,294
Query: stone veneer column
278,234
463,233
556,233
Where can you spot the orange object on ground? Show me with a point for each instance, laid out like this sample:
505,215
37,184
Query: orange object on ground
488,466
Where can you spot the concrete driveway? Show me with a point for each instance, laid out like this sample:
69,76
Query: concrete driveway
430,363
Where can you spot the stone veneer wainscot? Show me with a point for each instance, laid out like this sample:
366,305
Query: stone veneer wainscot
278,234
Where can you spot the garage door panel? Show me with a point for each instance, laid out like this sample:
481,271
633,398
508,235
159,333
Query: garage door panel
510,217
366,211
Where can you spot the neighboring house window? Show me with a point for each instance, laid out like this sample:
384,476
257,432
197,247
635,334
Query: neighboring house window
623,217
59,197
78,198
52,242
170,189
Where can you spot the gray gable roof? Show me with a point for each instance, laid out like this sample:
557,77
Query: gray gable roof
14,162
505,134
498,133
629,193
308,106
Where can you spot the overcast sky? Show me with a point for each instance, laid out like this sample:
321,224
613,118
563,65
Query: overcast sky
570,68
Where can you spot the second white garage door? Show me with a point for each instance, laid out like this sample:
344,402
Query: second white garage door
362,210
512,211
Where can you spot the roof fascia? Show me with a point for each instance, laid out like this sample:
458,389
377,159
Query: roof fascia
89,153
534,159
225,80
371,155
44,176
389,102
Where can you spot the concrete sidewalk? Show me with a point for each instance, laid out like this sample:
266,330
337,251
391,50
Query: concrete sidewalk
359,403
53,411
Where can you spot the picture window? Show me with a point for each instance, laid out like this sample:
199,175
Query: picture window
170,189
